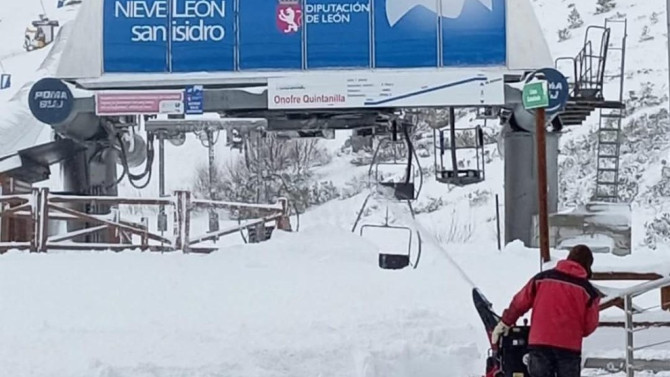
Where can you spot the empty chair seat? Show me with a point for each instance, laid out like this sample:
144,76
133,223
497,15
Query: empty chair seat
401,190
393,261
460,178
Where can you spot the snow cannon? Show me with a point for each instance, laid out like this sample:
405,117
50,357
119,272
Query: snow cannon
509,357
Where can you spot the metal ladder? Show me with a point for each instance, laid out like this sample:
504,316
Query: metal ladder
609,129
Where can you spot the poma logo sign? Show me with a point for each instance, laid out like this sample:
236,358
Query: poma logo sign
50,101
189,21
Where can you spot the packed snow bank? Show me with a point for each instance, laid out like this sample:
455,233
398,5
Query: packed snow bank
302,305
312,303
640,261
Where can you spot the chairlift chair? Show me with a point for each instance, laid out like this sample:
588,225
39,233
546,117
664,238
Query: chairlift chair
40,34
361,143
253,234
363,138
260,234
455,175
405,189
257,233
235,140
376,130
396,260
488,113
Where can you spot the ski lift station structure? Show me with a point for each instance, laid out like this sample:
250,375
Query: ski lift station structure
296,64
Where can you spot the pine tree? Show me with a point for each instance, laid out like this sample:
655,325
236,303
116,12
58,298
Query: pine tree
575,19
605,6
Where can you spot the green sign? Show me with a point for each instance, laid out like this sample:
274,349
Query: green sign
535,95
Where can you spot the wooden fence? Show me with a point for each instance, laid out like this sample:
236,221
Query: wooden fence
40,207
631,276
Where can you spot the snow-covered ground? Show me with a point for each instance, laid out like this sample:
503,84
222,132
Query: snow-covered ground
312,303
302,307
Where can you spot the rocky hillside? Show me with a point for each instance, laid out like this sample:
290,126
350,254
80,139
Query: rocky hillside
646,142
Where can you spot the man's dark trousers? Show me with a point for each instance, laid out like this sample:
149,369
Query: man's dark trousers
552,362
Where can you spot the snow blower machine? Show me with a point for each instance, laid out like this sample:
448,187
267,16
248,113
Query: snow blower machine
509,357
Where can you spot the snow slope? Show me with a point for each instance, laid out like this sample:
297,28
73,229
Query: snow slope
644,145
18,128
15,16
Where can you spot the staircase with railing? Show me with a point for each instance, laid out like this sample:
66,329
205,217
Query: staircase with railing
588,80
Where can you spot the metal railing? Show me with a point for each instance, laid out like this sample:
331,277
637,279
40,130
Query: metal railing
588,67
630,364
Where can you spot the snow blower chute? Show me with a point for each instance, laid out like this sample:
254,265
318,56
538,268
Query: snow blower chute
507,358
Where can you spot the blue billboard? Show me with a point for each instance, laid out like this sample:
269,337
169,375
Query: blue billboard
240,35
203,36
135,38
338,33
405,34
270,35
476,37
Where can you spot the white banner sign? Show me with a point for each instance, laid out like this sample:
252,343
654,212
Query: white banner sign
377,89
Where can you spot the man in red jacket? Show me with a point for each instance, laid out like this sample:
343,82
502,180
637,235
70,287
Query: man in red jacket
565,310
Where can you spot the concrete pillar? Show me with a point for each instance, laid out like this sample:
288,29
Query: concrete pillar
88,173
521,183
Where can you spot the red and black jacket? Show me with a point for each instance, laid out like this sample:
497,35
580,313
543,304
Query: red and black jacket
565,307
